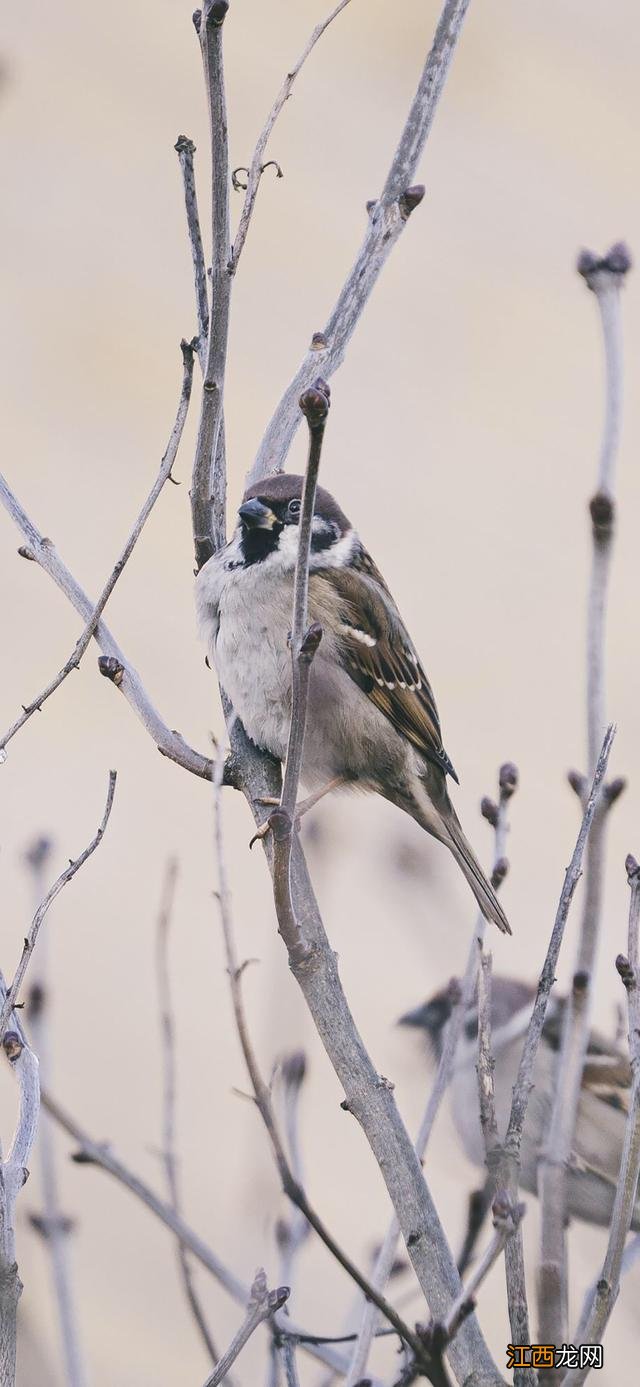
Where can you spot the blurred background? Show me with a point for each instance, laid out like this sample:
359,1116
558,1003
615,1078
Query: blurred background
463,438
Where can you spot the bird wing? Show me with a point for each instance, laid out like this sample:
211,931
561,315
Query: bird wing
377,652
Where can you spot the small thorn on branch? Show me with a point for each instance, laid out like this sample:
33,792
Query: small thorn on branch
410,199
111,668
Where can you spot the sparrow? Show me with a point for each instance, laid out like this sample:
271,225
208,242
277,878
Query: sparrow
603,1104
372,720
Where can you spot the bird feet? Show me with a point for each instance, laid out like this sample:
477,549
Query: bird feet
302,807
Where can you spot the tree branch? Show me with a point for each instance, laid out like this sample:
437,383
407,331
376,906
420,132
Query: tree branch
13,1174
115,664
167,1029
164,473
262,1305
102,1155
591,1329
461,997
52,1224
185,150
291,1187
256,168
208,487
387,220
65,877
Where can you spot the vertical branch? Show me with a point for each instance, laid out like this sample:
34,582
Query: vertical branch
167,1027
185,150
263,1304
460,997
52,1223
604,278
388,217
208,488
593,1325
314,404
13,1173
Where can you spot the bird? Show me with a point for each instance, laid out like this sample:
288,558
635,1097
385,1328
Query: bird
372,721
603,1105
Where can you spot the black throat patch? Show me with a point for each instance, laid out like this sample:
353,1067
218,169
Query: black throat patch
257,544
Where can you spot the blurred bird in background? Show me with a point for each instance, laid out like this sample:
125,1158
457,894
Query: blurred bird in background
602,1109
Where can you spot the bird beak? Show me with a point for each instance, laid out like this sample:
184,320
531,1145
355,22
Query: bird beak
256,516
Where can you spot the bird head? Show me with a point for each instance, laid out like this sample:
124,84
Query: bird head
269,516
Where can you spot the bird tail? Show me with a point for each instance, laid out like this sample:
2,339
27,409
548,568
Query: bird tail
482,889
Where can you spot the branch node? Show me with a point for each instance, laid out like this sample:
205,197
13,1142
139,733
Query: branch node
499,872
489,810
318,342
215,12
315,402
508,779
625,971
12,1046
602,512
632,868
26,553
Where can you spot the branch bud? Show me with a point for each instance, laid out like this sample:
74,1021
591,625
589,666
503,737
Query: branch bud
12,1046
310,642
111,668
410,199
499,872
294,1069
626,971
489,810
578,783
508,779
215,12
602,512
613,790
632,867
598,270
315,402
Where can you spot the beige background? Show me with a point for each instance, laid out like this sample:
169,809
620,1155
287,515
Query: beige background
463,437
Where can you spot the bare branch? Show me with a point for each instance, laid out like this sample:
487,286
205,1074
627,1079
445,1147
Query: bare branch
185,149
13,1174
486,1064
291,1187
65,877
293,1232
506,1218
591,1330
304,644
208,487
52,1224
164,473
263,1304
461,997
167,1027
257,166
387,220
101,1155
126,678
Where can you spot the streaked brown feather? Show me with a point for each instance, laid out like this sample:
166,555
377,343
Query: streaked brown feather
388,671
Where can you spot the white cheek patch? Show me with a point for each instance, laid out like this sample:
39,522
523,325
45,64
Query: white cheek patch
339,555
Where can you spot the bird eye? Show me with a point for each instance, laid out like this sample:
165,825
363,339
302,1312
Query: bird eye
294,508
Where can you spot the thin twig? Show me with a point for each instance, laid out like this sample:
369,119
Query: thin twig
208,486
102,1156
292,1233
167,1027
185,150
461,996
13,1173
387,220
592,1329
486,1063
304,644
84,639
52,1223
74,866
114,663
288,1351
506,1218
262,1306
256,167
